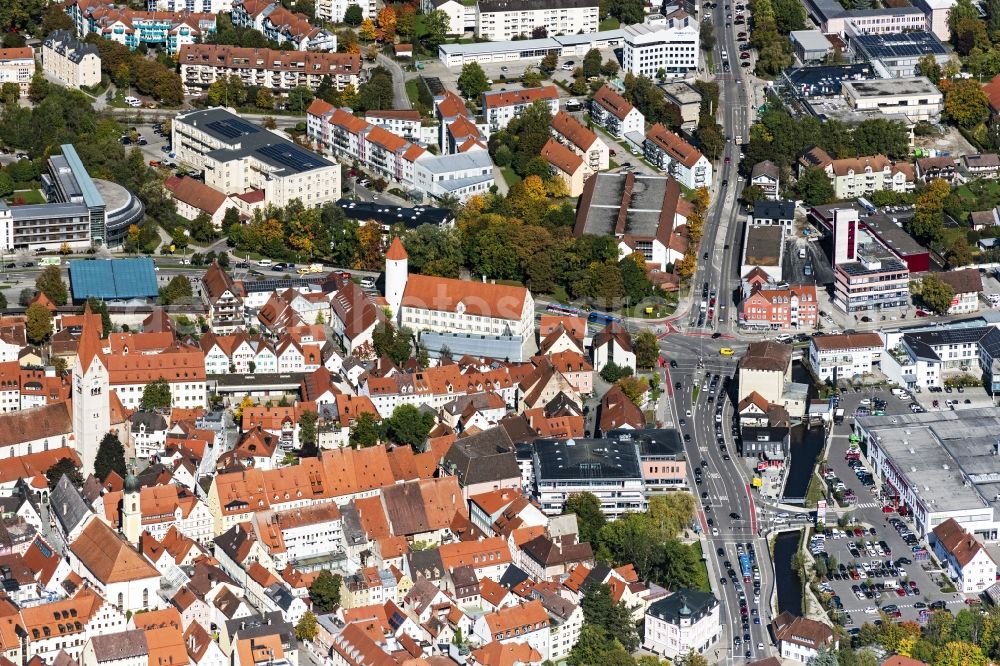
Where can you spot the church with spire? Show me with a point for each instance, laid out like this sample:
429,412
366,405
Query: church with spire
91,395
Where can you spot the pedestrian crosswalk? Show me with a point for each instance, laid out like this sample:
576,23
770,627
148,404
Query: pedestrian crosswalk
866,505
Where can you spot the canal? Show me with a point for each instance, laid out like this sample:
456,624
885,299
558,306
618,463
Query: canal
804,449
786,579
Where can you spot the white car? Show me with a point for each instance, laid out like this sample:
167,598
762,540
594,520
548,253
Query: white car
566,67
870,610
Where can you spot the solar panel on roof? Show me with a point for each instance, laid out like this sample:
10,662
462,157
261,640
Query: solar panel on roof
291,156
232,128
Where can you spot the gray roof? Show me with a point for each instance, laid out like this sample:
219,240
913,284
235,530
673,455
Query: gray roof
586,459
684,603
482,457
64,43
245,139
766,209
151,420
811,40
476,159
67,506
122,645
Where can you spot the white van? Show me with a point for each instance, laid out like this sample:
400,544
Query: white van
368,283
264,262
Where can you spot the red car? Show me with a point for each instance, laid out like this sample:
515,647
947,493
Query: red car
913,583
887,509
922,313
858,532
742,35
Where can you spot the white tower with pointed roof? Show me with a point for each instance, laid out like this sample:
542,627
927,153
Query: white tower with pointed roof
396,275
91,406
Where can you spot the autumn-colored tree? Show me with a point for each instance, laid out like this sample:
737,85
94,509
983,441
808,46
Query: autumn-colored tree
634,388
966,103
387,22
701,200
686,266
354,49
534,187
369,256
367,31
556,187
959,653
245,403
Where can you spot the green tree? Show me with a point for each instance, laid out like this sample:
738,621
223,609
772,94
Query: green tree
63,467
671,513
959,253
38,326
826,656
692,658
178,289
10,92
110,457
615,619
325,591
928,66
307,432
307,627
752,194
472,81
156,395
710,138
353,16
610,68
6,184
409,425
264,100
376,94
436,26
959,653
50,283
366,431
706,34
39,87
227,91
592,63
935,293
966,103
589,517
549,62
612,372
647,348
927,223
97,306
299,98
679,566
814,186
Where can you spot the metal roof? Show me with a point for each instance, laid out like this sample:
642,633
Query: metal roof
91,197
113,279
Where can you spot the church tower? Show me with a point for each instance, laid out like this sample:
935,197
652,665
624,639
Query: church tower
396,275
131,518
91,407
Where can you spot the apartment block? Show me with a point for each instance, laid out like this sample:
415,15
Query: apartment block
671,45
281,25
501,107
502,20
611,111
17,65
71,62
167,30
280,71
677,157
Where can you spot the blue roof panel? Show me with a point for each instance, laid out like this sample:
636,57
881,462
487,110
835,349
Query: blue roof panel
113,279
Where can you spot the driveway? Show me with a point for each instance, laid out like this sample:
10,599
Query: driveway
401,101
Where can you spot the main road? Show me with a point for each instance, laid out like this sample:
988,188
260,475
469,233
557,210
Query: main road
705,416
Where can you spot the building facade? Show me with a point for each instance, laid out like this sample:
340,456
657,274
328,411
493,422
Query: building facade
280,71
502,20
17,65
671,46
72,62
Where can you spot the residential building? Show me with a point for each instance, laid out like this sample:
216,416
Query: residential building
967,284
933,168
671,46
789,307
845,356
500,107
404,123
17,65
613,345
855,177
915,97
607,195
677,157
982,165
457,173
167,30
180,6
763,252
767,177
799,638
773,212
223,299
566,467
238,156
332,11
282,25
685,621
501,20
70,61
194,198
461,15
585,143
611,111
280,71
966,561
565,165
457,307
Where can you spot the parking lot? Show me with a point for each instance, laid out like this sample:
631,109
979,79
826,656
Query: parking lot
872,564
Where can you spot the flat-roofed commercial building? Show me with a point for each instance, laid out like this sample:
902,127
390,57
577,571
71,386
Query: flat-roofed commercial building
939,465
564,46
895,54
239,157
671,46
916,98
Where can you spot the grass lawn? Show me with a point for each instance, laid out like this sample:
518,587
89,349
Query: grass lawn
27,197
559,293
978,195
949,234
703,583
411,91
509,175
610,23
